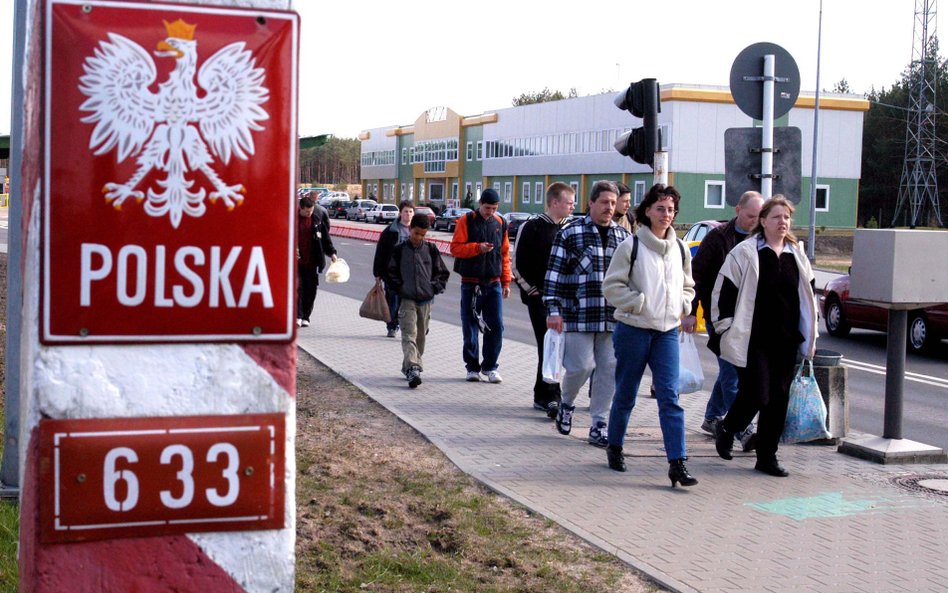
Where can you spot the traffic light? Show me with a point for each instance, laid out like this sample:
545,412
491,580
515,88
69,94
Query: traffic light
641,99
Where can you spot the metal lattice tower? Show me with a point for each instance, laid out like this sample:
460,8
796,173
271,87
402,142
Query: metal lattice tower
918,188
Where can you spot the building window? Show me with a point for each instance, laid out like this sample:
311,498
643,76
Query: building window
470,150
404,156
822,198
454,191
508,192
538,193
403,192
638,193
575,186
467,190
714,194
411,155
477,193
480,150
497,188
666,139
525,198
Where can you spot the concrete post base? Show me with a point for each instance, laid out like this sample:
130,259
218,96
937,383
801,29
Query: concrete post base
891,451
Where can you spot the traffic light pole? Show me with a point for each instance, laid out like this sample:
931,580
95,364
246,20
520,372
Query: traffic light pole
767,139
661,167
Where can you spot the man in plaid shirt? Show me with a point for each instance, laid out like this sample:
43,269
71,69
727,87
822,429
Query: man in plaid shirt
576,305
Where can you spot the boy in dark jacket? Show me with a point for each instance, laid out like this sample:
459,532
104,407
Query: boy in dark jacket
417,273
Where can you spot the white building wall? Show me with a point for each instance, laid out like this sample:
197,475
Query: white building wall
840,148
379,141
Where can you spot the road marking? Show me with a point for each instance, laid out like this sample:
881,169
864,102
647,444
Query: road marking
880,370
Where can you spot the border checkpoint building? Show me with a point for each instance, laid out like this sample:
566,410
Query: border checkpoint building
519,151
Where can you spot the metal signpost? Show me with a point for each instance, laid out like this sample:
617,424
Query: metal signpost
755,75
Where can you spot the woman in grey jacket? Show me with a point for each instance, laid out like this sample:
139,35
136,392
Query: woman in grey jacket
762,307
649,283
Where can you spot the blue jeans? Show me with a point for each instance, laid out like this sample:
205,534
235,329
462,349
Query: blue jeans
392,298
636,347
489,300
724,391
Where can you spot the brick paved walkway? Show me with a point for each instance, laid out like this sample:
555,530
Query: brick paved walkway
836,524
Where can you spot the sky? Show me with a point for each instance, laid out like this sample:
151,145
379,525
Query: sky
378,63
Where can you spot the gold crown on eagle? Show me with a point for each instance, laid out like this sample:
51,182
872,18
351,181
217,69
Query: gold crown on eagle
180,30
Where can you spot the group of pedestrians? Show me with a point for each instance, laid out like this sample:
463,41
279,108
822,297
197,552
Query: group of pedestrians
620,296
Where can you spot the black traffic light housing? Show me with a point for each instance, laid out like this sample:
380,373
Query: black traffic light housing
642,100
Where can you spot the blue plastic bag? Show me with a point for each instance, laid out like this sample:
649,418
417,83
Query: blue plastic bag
806,412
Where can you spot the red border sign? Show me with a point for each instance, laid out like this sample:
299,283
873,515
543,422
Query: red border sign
170,169
135,477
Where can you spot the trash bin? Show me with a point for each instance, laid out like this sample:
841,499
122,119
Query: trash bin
831,377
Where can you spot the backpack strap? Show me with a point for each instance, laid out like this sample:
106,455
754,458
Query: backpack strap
635,253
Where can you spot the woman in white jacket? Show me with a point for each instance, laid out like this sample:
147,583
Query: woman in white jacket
762,307
649,283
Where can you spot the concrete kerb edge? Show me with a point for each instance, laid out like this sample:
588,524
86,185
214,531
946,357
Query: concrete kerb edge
654,575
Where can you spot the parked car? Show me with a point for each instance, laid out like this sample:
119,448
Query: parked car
926,327
448,219
514,221
358,208
429,212
339,195
337,208
693,239
382,213
698,231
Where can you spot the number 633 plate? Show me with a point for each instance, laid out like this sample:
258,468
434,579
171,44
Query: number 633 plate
133,477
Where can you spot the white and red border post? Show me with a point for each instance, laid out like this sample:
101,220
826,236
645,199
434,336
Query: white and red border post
157,365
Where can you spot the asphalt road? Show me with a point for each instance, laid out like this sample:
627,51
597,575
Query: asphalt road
925,412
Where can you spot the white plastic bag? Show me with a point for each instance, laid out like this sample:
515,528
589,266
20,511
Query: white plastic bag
553,356
690,375
338,271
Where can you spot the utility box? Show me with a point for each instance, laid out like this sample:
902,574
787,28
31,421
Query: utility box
899,269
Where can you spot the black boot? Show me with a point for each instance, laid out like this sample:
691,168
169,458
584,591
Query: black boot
771,467
677,472
724,442
616,458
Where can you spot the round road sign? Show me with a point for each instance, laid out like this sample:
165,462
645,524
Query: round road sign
747,86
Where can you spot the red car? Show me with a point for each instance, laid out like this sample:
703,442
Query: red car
428,211
926,327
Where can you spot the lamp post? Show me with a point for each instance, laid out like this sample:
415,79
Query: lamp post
811,239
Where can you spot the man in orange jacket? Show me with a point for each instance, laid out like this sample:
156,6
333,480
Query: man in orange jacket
481,253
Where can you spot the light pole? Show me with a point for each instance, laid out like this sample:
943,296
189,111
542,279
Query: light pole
811,239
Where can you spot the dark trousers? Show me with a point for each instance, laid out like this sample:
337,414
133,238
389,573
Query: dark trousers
543,392
308,279
393,300
763,386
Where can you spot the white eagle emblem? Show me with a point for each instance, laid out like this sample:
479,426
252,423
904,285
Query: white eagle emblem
174,130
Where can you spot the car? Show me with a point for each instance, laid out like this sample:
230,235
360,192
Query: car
382,213
358,208
514,221
698,231
426,210
841,313
692,239
325,201
339,195
337,208
447,220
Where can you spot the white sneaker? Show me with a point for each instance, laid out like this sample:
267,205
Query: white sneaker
494,377
299,323
305,323
473,376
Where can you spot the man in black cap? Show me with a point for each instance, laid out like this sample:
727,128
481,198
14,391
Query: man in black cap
481,253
